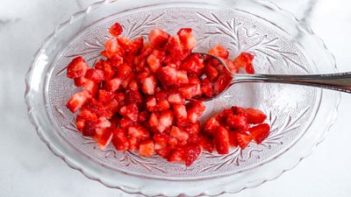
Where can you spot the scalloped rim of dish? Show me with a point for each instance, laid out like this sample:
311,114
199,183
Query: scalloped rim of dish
129,190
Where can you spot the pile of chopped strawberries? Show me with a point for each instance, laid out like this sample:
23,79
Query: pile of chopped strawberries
145,97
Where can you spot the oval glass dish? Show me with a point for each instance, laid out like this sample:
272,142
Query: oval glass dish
299,116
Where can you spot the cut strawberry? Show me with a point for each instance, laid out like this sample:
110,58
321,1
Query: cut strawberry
180,112
86,84
77,68
211,125
211,72
255,116
187,39
244,60
222,140
237,122
179,134
116,29
175,98
243,140
149,85
165,121
219,51
193,64
130,111
105,96
168,76
158,38
147,148
260,132
78,100
113,84
190,91
138,132
120,140
95,75
103,139
195,110
192,152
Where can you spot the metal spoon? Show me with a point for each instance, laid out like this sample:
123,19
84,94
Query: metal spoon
334,81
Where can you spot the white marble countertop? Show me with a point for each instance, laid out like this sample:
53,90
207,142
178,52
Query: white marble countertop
28,168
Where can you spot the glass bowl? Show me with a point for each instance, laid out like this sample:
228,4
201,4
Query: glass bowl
299,116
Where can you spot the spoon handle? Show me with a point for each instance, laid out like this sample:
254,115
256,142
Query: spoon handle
338,81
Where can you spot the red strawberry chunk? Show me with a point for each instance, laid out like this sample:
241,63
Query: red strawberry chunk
165,120
138,132
155,60
158,38
222,140
116,29
243,140
192,152
211,125
260,132
104,139
77,68
179,134
112,48
130,111
168,75
237,122
177,155
149,85
175,98
193,64
113,84
219,51
211,72
195,110
255,116
120,140
180,112
78,100
190,91
86,84
244,60
187,39
95,75
147,148
105,96
207,88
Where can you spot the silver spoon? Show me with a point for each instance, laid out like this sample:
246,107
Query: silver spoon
334,81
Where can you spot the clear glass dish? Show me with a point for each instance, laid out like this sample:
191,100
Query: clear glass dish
299,116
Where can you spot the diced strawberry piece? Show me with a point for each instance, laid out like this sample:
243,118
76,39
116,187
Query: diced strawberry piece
133,85
147,148
192,152
143,116
195,110
193,64
158,38
116,29
222,140
78,100
161,141
168,75
162,105
219,51
187,39
180,112
207,88
237,122
113,84
77,68
177,155
136,45
175,50
151,104
112,48
233,139
106,68
238,111
190,91
80,124
206,144
182,77
125,123
175,98
192,128
260,132
103,139
86,114
89,129
133,97
149,85
138,132
153,120
155,60
130,111
211,125
133,143
221,83
255,116
179,134
243,140
95,75
123,71
244,60
86,84
120,140
211,72
105,96
231,67
165,121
